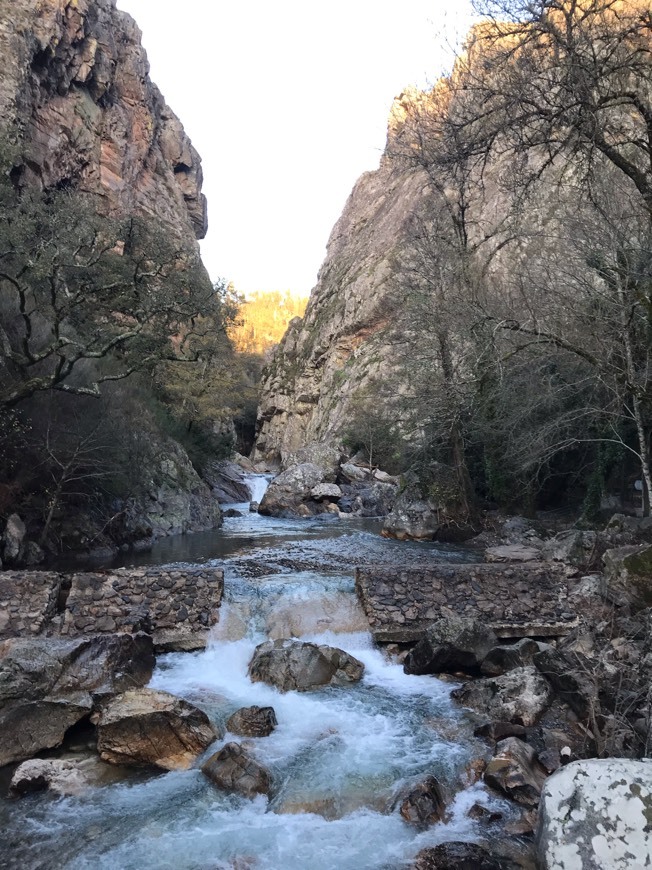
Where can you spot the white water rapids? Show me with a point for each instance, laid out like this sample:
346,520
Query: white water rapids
339,756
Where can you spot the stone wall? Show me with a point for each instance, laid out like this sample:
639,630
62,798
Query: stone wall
28,601
176,606
516,600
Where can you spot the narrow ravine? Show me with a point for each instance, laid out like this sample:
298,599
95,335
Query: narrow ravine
339,756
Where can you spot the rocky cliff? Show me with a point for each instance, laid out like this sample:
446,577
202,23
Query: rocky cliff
330,359
75,87
80,112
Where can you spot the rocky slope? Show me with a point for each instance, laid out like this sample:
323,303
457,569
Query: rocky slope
76,85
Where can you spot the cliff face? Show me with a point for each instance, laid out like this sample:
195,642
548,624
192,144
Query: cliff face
330,358
75,85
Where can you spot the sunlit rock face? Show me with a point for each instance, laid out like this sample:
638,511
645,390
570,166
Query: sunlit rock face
343,343
75,83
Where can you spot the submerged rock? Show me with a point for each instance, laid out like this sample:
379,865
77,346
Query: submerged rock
233,770
293,664
424,804
596,814
451,644
149,728
252,722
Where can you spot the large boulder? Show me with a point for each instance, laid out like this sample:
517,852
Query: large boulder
501,659
291,490
149,728
40,774
628,576
326,492
320,453
48,684
572,677
233,770
293,664
520,696
13,539
451,644
252,722
424,805
429,512
572,547
596,814
516,771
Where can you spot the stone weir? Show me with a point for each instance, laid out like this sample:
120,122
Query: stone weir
177,607
524,600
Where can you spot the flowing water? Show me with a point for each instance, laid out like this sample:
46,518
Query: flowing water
339,756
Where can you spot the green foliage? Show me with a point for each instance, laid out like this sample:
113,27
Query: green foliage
86,299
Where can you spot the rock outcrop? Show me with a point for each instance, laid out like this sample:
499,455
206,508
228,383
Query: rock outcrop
76,85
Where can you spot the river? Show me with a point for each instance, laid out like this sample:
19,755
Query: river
339,756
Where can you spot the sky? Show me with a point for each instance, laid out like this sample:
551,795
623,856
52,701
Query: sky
287,103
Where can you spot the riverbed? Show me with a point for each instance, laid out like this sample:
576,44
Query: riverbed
340,757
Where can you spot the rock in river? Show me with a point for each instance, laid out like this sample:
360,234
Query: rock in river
49,684
233,770
293,664
424,804
461,856
252,722
40,774
516,771
148,728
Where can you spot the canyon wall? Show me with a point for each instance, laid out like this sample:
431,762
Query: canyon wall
75,87
343,344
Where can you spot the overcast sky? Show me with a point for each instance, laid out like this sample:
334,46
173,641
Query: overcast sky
287,103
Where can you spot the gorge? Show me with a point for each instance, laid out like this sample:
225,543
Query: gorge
347,651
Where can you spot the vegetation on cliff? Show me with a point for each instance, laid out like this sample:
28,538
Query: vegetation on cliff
511,326
263,318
